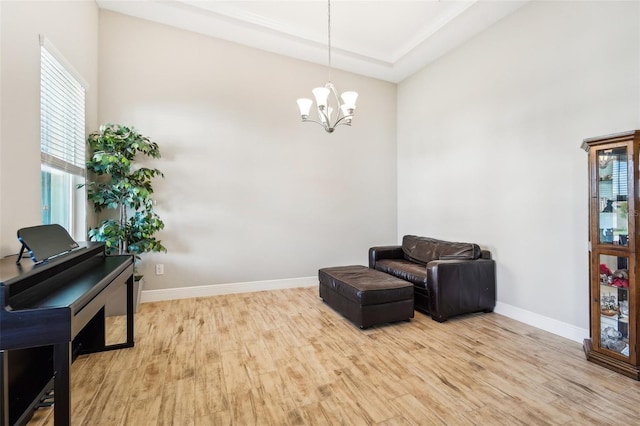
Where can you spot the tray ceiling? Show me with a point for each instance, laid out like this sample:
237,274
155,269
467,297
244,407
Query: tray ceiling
389,40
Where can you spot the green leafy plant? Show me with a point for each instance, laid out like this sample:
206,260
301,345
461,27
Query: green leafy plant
125,188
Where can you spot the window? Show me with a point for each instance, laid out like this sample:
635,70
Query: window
62,142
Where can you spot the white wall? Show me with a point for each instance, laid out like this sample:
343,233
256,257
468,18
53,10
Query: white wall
250,193
72,27
489,144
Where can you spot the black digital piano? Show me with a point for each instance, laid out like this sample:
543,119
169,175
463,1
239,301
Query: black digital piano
50,312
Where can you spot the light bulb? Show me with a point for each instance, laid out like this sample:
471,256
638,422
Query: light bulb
349,99
321,94
305,105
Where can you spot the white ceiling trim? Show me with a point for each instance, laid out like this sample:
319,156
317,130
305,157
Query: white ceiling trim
431,29
459,22
300,33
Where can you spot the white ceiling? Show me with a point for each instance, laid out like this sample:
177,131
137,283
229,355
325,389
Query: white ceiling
389,40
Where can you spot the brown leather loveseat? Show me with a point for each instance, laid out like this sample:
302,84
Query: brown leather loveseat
448,278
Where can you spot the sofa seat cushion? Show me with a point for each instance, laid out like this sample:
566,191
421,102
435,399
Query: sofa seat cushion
423,249
415,273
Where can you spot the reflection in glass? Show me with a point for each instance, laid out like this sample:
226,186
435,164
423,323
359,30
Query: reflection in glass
612,196
614,303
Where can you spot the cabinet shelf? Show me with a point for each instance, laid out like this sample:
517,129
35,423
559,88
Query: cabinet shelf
616,317
614,287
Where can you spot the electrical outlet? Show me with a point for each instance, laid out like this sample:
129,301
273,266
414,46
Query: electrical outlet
159,269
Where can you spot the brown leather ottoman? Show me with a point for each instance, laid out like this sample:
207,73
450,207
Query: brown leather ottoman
365,296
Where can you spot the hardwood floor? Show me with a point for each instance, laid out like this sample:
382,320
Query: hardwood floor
285,358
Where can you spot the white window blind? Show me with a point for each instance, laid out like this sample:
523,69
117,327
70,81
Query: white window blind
620,178
62,121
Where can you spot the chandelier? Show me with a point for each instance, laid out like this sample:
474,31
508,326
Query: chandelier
331,112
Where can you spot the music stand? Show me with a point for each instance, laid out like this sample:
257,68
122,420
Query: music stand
44,242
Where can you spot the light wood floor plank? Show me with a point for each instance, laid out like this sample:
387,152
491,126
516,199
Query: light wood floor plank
285,358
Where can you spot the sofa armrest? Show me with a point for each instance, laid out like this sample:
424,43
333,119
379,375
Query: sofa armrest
460,286
384,252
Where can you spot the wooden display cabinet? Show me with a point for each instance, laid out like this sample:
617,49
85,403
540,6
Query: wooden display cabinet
614,205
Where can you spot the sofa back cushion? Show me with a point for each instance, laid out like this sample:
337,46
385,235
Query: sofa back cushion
424,250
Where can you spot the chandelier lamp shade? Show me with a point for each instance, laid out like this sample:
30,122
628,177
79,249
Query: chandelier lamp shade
332,112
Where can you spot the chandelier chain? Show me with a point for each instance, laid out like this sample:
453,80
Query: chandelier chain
329,35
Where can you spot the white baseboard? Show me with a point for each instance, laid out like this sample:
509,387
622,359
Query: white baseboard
551,325
220,289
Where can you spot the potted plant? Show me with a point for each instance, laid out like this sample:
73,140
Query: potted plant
125,188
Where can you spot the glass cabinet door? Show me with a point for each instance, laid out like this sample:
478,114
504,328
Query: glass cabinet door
614,303
614,252
613,208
